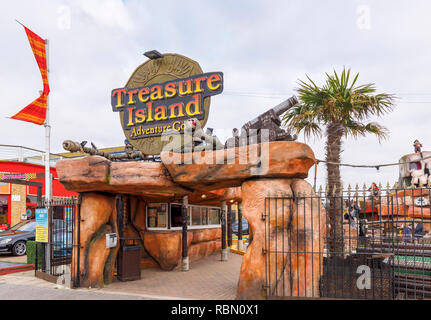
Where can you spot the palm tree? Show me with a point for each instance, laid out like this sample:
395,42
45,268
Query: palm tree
342,109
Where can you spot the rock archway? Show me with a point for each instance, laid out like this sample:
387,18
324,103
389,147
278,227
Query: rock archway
259,170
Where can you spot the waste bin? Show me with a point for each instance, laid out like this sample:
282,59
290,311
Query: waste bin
129,261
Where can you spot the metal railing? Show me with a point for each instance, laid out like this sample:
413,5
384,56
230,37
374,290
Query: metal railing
361,245
24,154
54,259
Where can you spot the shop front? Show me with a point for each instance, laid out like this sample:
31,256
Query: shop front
168,199
19,184
167,216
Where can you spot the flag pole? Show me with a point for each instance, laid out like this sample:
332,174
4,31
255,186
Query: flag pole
47,126
47,136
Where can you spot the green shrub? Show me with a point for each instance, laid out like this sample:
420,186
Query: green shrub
31,248
31,253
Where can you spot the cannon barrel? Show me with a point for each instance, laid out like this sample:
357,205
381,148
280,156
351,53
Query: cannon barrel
277,111
285,105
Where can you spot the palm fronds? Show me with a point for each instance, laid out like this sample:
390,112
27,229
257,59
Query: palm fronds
339,100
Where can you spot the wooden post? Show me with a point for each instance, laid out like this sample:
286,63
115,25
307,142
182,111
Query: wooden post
240,243
224,251
185,266
229,225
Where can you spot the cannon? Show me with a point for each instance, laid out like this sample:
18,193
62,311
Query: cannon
269,120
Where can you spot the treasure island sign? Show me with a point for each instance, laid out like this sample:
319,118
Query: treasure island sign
160,95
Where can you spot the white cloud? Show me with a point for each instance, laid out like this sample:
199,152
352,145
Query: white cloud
109,13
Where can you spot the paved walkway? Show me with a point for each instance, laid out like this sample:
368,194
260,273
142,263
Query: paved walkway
207,279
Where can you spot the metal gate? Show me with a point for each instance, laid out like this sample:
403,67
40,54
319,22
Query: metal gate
348,246
53,260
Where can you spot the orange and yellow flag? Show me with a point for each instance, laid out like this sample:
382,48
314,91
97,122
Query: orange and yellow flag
36,111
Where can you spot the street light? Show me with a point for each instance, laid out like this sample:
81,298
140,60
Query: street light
153,54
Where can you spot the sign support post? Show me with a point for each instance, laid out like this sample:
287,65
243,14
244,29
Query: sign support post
47,160
47,137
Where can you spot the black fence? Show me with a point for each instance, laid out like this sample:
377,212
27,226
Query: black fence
53,260
353,245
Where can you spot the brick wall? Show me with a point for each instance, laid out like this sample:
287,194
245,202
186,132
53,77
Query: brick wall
17,207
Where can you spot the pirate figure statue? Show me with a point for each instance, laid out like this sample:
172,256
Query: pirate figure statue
417,145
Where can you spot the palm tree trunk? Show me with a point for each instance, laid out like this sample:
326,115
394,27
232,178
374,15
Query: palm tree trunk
334,133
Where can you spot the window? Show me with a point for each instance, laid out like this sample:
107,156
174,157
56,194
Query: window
196,215
234,216
4,205
415,166
31,226
31,199
213,216
199,216
157,214
176,215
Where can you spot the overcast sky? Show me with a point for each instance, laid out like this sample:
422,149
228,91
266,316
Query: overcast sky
262,47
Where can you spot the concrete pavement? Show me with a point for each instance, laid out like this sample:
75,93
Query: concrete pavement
29,292
7,257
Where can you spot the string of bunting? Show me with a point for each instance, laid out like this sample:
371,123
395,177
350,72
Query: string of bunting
377,166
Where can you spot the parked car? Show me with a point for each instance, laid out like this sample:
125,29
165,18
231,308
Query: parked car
14,240
244,226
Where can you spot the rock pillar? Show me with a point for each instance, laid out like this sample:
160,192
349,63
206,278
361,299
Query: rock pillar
96,262
293,227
